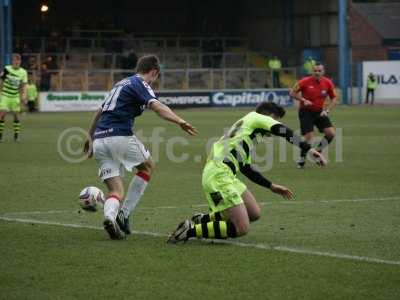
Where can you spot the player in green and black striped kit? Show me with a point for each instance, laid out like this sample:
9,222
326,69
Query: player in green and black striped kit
13,81
232,206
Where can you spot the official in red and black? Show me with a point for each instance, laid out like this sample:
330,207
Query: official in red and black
312,92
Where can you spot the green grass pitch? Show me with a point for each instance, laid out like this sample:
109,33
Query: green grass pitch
339,239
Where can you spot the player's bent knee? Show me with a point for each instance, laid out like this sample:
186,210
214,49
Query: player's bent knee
330,137
241,231
116,194
330,132
147,166
242,228
309,136
254,214
151,165
255,217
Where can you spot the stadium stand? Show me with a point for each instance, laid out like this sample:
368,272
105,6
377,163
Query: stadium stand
95,62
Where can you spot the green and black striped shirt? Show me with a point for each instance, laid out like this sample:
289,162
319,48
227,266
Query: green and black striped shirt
12,81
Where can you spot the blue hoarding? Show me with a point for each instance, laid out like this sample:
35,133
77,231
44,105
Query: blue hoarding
226,98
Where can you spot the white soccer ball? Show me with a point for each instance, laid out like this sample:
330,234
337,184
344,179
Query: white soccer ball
91,197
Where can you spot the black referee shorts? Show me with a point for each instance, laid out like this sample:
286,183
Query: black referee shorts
309,119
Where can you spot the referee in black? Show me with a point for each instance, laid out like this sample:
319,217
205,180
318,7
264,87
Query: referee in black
311,92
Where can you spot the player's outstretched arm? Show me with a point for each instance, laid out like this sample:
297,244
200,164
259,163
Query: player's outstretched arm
282,190
296,95
167,114
331,104
258,178
87,148
283,131
2,77
332,100
24,93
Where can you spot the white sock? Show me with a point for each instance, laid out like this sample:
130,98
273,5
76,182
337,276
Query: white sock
111,207
135,191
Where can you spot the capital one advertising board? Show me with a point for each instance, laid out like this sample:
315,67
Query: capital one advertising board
90,101
251,97
387,74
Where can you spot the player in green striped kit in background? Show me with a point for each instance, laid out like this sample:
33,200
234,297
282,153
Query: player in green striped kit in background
13,81
232,206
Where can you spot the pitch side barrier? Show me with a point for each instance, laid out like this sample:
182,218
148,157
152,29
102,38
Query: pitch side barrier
89,101
225,98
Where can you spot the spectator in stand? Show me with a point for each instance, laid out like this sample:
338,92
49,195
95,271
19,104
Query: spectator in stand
32,65
26,48
108,47
206,55
45,78
133,59
53,42
51,63
308,65
129,61
25,51
371,86
217,48
32,93
52,66
17,47
275,65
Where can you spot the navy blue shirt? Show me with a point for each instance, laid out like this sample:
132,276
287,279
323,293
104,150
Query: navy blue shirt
126,101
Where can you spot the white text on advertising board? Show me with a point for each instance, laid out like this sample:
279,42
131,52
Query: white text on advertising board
75,97
246,98
392,79
185,100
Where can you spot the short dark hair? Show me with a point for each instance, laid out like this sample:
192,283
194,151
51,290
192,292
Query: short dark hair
16,55
148,63
268,108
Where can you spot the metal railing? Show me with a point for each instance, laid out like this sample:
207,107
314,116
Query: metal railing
66,44
170,79
170,60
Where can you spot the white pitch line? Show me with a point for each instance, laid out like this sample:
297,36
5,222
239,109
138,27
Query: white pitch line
205,205
229,242
47,212
33,221
311,252
335,200
70,225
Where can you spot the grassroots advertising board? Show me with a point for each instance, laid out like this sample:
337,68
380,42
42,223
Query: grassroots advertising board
387,74
89,101
71,101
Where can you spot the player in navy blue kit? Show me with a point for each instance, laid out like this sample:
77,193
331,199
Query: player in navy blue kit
116,148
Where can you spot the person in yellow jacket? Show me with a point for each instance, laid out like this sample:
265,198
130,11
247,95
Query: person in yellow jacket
32,93
308,65
371,86
275,65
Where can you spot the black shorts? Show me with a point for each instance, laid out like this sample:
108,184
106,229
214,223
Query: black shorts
309,119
